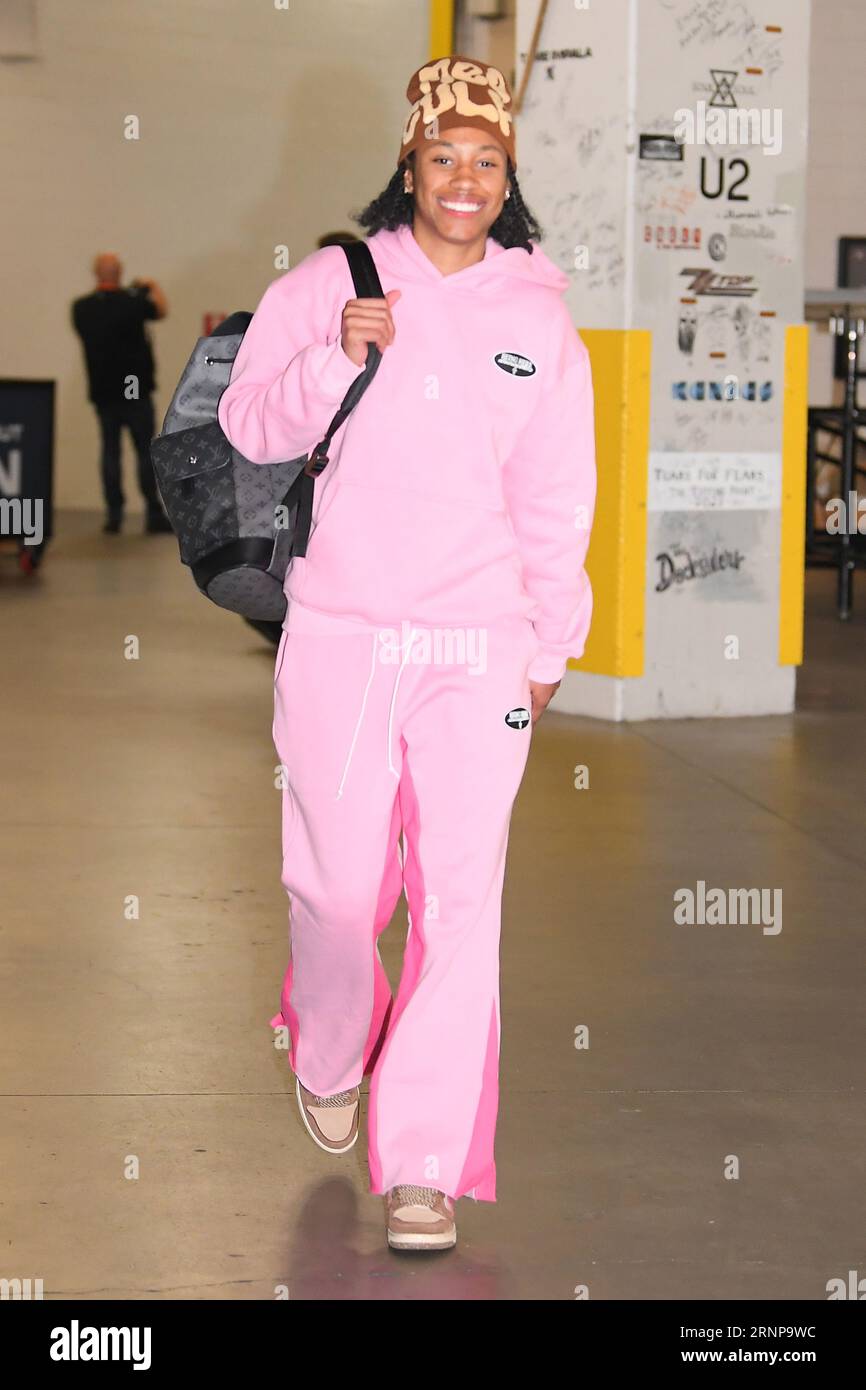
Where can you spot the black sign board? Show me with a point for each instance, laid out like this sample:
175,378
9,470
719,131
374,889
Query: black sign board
26,458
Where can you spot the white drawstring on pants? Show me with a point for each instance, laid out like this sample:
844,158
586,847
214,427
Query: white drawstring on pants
391,767
360,720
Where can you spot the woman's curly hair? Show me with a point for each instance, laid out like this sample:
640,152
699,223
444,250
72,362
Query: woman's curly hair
515,225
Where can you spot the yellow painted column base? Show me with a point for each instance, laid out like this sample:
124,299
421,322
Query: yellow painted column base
616,562
792,573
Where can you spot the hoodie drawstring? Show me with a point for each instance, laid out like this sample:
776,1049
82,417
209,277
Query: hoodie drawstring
360,720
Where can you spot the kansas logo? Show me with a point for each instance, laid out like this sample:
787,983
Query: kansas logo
514,364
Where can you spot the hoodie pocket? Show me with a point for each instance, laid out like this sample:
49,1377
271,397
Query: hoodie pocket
386,554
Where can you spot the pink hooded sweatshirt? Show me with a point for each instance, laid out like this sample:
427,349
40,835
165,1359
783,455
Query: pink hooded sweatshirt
461,489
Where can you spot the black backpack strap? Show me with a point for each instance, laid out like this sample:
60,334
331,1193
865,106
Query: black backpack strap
363,268
365,278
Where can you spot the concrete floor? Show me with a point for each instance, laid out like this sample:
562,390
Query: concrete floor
149,1037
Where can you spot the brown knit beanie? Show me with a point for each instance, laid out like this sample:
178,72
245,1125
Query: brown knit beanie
457,91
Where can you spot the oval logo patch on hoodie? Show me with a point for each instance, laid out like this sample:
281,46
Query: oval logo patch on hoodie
517,718
515,364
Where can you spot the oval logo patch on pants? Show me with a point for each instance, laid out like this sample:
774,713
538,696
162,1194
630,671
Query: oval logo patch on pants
517,718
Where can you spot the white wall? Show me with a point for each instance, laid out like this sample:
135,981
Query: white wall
259,126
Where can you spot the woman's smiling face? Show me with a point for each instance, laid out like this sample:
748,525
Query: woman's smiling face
459,183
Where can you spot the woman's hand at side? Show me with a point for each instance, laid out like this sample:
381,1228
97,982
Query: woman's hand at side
541,697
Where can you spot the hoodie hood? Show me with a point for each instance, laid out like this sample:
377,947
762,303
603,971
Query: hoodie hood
399,252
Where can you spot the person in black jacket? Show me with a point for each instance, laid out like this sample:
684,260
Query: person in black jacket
121,379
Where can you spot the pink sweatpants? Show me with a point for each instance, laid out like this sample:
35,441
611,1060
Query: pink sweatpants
422,732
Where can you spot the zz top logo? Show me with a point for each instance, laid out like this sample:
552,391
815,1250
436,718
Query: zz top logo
726,167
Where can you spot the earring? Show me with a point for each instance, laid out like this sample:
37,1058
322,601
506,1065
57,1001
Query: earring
507,193
406,189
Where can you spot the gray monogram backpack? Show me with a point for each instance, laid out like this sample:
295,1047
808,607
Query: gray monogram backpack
238,524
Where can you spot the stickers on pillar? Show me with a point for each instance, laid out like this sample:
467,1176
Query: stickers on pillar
518,718
714,482
672,237
713,284
660,147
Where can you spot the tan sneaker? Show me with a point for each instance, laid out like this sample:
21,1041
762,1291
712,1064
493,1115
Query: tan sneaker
331,1120
420,1218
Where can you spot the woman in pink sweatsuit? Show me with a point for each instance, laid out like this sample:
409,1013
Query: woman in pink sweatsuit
428,626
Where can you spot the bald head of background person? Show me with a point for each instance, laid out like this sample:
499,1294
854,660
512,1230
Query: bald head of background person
107,268
108,273
121,379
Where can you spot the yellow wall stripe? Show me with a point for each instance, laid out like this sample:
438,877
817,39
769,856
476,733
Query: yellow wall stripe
441,28
793,540
616,562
